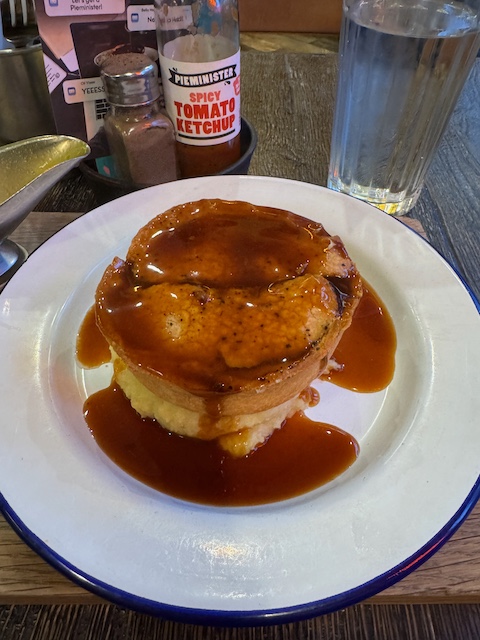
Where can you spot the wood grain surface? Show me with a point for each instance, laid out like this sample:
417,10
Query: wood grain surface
289,99
362,622
299,16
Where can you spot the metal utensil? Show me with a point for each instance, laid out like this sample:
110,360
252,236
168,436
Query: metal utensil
24,98
20,13
28,169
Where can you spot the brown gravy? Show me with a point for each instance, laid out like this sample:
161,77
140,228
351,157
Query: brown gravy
299,457
92,349
366,352
236,267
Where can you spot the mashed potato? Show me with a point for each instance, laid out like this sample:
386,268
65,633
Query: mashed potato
243,433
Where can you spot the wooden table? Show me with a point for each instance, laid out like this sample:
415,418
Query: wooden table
289,99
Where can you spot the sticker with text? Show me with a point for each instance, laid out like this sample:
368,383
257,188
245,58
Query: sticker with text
174,18
203,100
54,8
83,90
55,74
141,17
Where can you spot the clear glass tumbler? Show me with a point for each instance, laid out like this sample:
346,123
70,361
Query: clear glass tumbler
402,66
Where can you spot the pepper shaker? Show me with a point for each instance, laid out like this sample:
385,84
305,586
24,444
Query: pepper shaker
141,137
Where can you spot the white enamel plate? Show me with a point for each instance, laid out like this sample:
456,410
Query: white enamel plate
415,480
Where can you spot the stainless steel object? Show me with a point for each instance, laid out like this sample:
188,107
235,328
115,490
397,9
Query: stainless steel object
20,13
28,169
25,106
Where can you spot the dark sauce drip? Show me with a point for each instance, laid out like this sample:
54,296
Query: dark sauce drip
92,349
366,352
299,457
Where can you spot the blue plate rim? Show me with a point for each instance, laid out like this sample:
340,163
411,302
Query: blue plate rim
259,617
235,618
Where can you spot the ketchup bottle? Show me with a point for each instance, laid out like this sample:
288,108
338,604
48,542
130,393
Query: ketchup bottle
199,47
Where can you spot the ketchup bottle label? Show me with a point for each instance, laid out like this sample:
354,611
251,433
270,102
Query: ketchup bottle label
203,99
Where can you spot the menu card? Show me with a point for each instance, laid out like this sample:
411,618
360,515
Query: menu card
73,33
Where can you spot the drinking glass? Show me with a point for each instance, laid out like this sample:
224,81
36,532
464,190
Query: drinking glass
402,66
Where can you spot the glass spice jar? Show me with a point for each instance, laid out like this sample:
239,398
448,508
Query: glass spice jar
140,135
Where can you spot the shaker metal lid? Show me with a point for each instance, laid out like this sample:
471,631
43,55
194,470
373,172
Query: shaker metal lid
130,79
